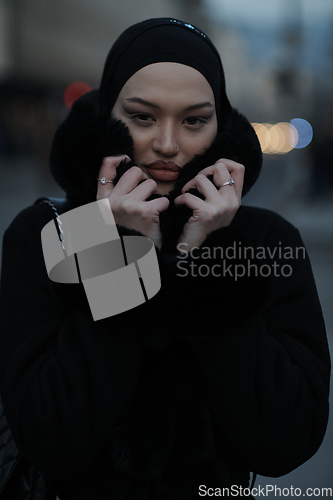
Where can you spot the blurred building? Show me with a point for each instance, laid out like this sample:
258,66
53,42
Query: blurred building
59,41
278,59
278,62
45,46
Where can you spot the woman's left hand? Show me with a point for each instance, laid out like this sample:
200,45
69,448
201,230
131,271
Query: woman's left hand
219,206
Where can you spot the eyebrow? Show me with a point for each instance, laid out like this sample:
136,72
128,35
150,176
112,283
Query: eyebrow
200,105
206,104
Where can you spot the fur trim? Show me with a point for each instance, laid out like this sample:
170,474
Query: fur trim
87,136
80,144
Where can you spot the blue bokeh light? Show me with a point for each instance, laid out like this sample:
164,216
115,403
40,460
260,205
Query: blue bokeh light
304,130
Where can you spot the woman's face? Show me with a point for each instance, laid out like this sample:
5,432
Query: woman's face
169,109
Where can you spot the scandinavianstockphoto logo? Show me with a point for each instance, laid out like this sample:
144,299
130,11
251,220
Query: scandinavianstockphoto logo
237,261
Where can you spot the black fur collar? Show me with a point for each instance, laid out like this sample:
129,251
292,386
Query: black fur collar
87,136
79,146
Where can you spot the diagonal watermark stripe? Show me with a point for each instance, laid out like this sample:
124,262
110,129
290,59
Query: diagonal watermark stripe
117,274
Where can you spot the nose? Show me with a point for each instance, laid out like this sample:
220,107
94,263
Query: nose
165,141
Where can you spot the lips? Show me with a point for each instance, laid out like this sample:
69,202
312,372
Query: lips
163,171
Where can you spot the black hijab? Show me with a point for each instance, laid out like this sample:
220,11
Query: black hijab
90,133
162,40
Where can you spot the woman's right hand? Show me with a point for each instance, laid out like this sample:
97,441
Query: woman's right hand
127,199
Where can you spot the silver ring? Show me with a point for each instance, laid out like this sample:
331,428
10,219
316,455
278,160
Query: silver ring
103,180
230,182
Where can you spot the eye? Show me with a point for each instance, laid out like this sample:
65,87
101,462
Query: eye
141,117
194,121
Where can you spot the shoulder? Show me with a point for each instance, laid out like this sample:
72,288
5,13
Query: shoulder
34,217
22,254
247,214
264,225
31,219
24,232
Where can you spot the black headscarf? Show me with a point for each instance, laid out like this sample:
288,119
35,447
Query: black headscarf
162,40
90,133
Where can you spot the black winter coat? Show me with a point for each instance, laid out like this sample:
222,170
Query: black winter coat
216,376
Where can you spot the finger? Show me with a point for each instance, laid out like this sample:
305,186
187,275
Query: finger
190,200
220,173
222,170
144,190
218,170
223,181
236,172
108,171
207,188
130,180
159,204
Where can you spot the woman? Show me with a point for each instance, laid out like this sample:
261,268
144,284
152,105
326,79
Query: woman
226,369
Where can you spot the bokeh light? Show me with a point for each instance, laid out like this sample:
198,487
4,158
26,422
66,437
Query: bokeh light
74,91
263,135
276,139
304,130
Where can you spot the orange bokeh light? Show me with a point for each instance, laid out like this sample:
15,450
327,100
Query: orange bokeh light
276,139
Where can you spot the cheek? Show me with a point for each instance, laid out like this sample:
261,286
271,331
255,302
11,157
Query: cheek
209,138
141,144
201,142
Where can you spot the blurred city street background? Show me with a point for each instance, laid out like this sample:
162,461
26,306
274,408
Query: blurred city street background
278,61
